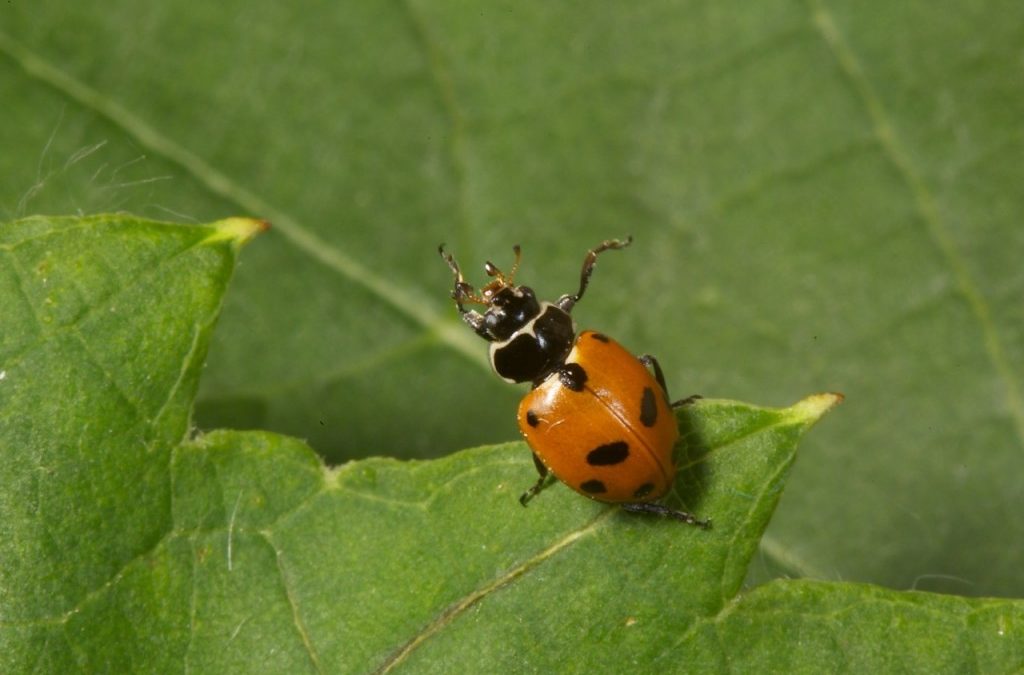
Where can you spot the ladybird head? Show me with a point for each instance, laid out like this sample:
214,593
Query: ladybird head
529,339
508,307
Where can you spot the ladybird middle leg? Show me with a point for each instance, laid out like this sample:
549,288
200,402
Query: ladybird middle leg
566,302
652,363
545,476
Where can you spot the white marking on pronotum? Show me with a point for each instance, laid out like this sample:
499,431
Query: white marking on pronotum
231,527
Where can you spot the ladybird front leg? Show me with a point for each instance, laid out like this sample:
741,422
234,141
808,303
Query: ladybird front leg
541,483
473,318
566,302
462,291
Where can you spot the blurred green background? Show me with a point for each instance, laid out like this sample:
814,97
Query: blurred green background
825,197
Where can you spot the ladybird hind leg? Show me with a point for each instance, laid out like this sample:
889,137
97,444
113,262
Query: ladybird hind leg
652,363
651,508
542,482
566,302
692,398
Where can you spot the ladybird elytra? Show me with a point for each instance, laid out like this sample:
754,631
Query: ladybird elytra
596,417
596,434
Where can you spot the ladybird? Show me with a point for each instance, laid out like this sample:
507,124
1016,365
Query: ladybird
597,418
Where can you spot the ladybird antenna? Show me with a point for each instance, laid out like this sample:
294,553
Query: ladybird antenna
502,279
515,265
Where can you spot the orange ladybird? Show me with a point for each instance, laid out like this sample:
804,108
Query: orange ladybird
596,417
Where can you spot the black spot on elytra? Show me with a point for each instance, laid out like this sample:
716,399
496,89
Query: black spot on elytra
572,376
593,487
644,490
648,408
531,418
600,337
608,454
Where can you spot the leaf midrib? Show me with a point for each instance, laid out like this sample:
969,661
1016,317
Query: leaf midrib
403,299
456,609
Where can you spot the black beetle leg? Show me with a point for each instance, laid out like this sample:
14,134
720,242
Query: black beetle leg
566,302
539,485
653,364
654,509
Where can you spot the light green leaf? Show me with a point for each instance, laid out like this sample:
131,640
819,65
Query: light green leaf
825,197
131,546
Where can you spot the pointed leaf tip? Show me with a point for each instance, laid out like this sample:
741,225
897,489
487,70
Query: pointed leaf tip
811,409
238,229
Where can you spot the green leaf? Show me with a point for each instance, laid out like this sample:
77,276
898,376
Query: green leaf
105,328
825,197
130,545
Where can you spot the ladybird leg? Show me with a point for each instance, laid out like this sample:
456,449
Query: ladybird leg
539,485
475,320
461,290
692,398
464,292
652,363
663,511
566,302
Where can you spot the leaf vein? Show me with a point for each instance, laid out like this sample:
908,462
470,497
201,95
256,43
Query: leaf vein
784,557
28,302
403,300
293,604
457,609
94,306
924,202
62,618
780,470
435,493
186,362
114,384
